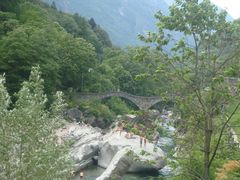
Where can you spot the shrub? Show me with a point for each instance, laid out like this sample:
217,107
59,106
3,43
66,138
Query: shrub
117,106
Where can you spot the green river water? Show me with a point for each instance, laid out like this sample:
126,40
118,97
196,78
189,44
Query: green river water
93,172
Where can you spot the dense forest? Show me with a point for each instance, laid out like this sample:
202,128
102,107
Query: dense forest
74,54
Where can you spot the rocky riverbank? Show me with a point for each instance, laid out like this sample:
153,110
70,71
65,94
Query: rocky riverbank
117,153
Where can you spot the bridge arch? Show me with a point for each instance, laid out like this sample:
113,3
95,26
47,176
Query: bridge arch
131,101
142,102
163,104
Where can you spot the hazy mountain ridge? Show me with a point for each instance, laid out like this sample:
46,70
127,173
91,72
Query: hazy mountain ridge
122,19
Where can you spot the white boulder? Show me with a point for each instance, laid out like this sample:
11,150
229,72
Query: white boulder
119,154
86,143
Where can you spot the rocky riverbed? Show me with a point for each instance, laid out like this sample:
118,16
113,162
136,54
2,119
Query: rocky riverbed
115,152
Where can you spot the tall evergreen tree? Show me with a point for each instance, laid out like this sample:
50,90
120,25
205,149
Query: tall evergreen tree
28,148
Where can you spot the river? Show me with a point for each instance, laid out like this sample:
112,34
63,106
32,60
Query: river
91,173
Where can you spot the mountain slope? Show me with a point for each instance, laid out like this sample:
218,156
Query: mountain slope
122,19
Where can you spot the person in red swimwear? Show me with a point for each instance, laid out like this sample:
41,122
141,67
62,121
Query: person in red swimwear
81,175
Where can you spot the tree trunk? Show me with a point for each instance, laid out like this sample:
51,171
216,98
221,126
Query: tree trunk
207,147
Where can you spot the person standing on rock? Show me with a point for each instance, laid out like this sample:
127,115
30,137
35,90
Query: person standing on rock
81,175
121,130
141,141
145,142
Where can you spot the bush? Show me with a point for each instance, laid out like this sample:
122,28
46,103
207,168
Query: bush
98,110
117,106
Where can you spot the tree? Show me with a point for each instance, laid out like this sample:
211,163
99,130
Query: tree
25,47
198,61
88,33
28,147
103,37
8,22
53,5
77,57
92,23
101,34
9,5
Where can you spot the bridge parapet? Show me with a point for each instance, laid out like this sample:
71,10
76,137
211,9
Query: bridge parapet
142,102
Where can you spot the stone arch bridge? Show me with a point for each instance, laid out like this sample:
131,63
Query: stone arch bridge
142,102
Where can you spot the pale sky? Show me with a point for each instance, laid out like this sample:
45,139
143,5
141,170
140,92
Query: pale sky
231,6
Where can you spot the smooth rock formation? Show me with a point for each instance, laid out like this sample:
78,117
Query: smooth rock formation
119,165
114,151
120,154
86,143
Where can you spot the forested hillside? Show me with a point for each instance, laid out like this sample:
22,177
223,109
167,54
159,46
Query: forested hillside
74,54
64,45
